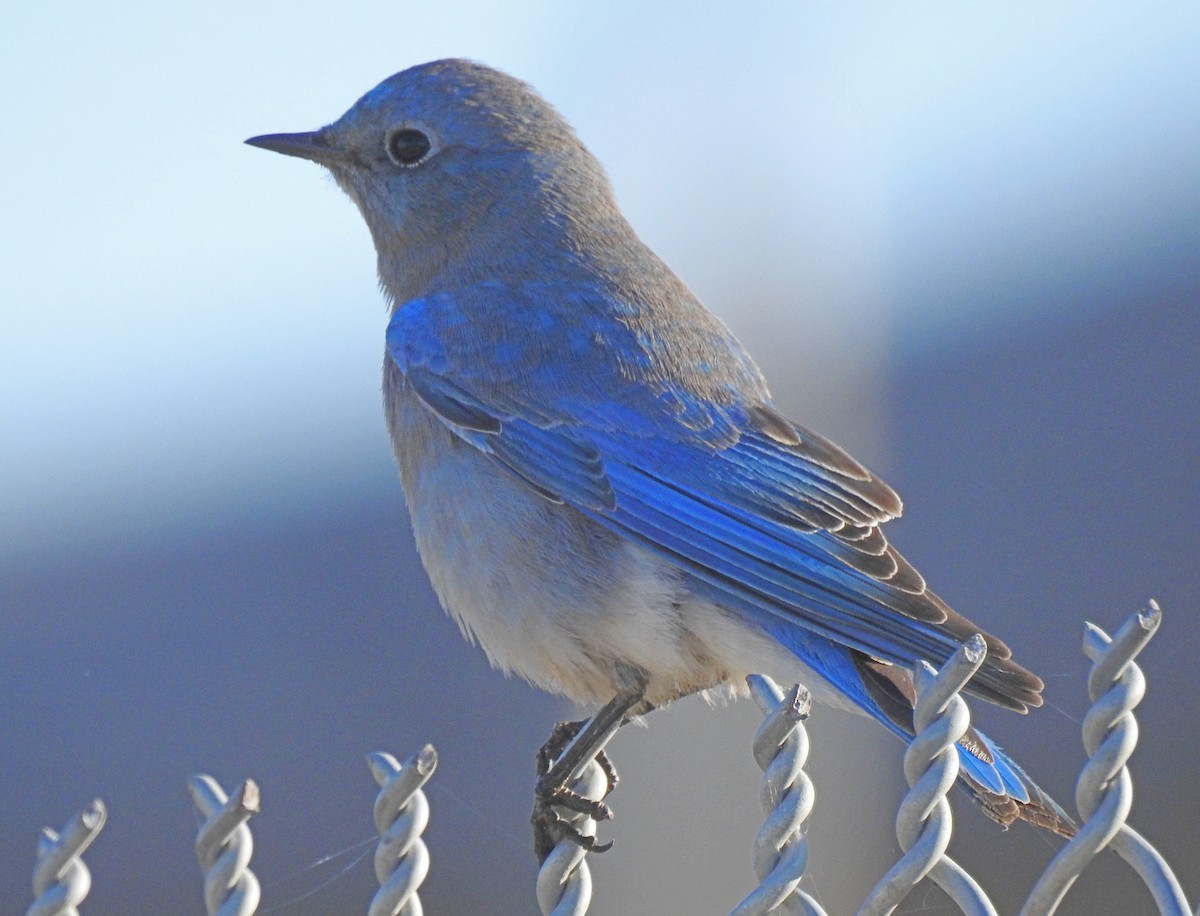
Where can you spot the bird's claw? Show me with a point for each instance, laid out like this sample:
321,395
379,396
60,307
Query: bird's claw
550,827
561,796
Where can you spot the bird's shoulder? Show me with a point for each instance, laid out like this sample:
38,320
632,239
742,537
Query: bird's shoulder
616,378
579,352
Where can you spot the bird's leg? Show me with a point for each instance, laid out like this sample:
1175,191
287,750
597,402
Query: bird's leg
561,760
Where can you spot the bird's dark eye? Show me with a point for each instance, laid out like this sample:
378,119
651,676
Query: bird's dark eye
407,147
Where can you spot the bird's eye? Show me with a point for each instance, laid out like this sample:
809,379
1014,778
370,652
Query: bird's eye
407,147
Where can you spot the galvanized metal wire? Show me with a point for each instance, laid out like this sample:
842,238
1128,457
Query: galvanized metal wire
401,815
787,796
924,822
564,885
1104,791
224,846
60,878
564,881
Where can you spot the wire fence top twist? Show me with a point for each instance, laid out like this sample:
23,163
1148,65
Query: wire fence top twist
224,846
786,796
924,822
564,881
1104,791
401,815
60,878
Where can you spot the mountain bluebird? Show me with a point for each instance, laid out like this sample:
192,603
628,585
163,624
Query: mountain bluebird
602,490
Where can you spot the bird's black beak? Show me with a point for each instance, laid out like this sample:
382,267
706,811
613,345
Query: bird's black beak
312,145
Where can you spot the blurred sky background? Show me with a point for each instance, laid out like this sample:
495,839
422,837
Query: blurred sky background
962,240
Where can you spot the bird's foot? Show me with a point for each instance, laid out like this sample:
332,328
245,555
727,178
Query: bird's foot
550,827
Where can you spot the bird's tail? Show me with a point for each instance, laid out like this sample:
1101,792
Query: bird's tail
1001,787
886,693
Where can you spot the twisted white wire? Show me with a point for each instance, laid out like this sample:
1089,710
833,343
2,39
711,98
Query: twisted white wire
564,881
786,795
60,878
224,846
924,822
1104,790
401,815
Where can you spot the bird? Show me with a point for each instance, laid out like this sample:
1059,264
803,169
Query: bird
602,490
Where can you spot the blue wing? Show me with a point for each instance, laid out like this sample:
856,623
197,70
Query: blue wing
683,453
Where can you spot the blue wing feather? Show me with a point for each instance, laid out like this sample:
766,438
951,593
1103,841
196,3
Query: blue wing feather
782,522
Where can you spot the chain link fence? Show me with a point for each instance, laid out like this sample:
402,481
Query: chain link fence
924,825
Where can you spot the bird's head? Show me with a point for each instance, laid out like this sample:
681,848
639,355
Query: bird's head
452,156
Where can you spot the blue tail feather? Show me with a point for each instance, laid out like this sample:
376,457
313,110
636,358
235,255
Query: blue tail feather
999,784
